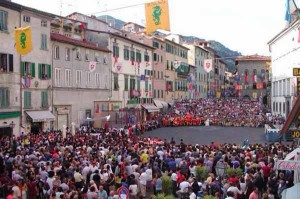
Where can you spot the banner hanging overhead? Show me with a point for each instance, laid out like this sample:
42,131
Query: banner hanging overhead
157,16
208,65
23,40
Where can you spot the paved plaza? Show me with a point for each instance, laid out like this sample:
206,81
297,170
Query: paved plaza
207,134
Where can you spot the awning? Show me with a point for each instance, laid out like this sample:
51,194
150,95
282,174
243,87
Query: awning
106,118
171,103
150,108
40,116
165,104
158,103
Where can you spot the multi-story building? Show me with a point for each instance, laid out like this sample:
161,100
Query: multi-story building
219,76
159,72
177,69
252,76
285,53
81,73
196,57
216,77
131,67
27,77
159,61
36,73
10,90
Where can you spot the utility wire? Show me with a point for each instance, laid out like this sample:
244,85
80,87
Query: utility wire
120,8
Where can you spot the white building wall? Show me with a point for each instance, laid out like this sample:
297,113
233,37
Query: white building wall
11,80
285,50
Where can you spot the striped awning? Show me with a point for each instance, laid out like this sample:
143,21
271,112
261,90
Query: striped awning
40,116
158,103
150,108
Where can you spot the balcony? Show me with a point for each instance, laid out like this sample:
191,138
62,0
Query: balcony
134,93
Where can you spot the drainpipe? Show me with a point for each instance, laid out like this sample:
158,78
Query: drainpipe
21,88
52,77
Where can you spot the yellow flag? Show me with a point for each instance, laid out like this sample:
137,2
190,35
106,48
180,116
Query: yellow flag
23,40
157,16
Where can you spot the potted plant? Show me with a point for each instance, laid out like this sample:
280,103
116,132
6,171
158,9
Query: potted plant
201,173
56,25
166,184
67,28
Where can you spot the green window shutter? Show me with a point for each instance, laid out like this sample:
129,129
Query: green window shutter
40,71
22,69
29,99
118,49
32,68
44,98
42,41
49,71
6,97
25,99
45,41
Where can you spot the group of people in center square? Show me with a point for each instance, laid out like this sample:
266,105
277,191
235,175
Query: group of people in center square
220,112
120,163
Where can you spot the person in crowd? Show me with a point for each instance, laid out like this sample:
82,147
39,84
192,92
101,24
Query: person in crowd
95,165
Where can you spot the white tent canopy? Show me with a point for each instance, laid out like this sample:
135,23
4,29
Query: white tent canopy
292,154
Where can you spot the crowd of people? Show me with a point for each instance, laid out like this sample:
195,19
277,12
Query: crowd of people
222,112
119,163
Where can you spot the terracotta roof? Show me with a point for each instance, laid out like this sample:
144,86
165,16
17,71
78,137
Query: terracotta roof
253,58
75,42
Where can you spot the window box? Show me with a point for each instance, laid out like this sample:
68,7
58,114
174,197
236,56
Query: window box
67,28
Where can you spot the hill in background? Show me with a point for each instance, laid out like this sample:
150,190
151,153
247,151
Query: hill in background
221,50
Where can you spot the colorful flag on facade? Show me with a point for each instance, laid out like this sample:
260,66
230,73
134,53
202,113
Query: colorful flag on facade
299,34
288,16
157,16
23,40
208,65
92,66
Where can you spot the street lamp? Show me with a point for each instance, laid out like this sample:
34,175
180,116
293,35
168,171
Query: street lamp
12,126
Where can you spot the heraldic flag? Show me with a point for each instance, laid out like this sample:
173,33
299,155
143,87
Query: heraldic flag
23,40
157,16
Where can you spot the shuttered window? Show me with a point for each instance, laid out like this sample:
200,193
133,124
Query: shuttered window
44,42
44,71
3,20
27,99
44,99
27,68
4,97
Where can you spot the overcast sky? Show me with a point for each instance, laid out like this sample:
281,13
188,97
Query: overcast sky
242,25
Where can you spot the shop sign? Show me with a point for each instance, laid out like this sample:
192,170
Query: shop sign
296,71
298,84
62,111
287,165
295,133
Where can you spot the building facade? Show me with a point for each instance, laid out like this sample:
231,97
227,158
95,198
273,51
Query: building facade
36,73
10,91
252,77
285,53
81,74
196,57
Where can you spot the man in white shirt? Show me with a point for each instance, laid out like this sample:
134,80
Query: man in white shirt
174,183
143,183
149,178
234,190
184,187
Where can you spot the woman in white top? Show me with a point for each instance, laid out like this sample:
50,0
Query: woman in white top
133,189
192,169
